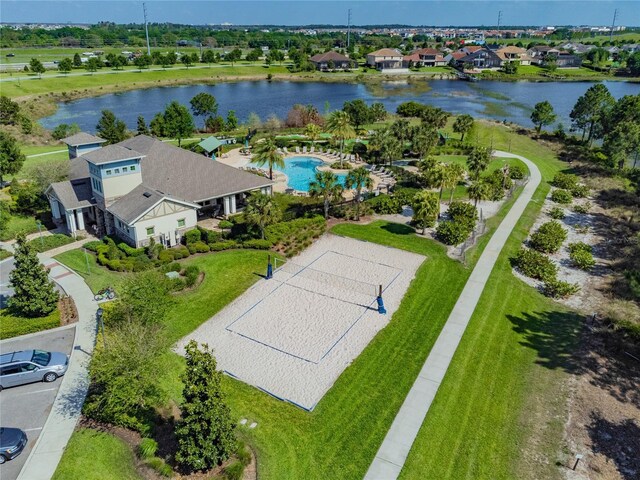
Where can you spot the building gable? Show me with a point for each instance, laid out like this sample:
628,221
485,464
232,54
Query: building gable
165,207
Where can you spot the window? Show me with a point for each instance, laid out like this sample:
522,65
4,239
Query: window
108,172
181,222
132,168
117,170
150,231
124,169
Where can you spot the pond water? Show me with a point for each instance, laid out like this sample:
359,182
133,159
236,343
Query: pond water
301,170
512,101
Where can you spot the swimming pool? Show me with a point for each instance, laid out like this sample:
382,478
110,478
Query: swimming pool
301,170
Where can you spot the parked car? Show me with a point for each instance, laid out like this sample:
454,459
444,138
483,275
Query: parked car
28,366
12,442
10,55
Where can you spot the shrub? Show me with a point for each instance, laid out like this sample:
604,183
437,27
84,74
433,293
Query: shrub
582,208
582,259
549,237
160,466
566,181
197,247
209,236
341,166
147,448
166,256
191,274
535,265
180,252
93,245
243,454
130,251
234,471
258,244
580,191
224,245
192,236
559,289
516,172
580,246
562,196
171,267
452,233
556,213
385,205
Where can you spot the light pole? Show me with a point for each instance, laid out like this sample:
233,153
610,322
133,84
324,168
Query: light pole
99,314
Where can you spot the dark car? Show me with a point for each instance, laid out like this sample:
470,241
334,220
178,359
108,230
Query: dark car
12,442
11,55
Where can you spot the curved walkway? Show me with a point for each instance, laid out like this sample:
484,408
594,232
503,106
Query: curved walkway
67,406
396,445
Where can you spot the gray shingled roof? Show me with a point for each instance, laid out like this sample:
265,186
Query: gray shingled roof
330,55
78,168
110,153
129,207
187,175
82,138
73,194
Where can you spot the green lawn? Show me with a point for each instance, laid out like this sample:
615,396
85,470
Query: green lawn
94,455
97,276
18,224
12,326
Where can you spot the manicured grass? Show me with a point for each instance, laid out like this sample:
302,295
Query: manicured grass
18,224
97,277
12,325
94,455
4,254
49,242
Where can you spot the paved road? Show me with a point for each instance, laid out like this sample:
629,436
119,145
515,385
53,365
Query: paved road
28,406
5,287
397,444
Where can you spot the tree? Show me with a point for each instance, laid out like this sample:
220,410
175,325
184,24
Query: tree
597,56
272,123
209,56
205,434
511,68
358,111
455,174
178,122
434,117
141,128
327,187
478,161
423,140
462,125
9,111
479,190
92,65
34,294
232,121
65,130
77,61
186,60
11,158
142,61
633,64
157,125
266,153
378,112
36,66
254,55
124,375
261,211
339,125
143,298
621,142
401,129
358,178
233,56
253,121
111,128
312,131
591,110
542,115
384,145
204,105
426,208
65,65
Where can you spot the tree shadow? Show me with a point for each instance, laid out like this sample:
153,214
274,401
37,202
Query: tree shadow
619,442
558,338
398,229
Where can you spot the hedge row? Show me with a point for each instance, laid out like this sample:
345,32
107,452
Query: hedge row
462,221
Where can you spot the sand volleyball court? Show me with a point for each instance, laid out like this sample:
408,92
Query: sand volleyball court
294,334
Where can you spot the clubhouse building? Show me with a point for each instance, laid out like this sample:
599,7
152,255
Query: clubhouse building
142,189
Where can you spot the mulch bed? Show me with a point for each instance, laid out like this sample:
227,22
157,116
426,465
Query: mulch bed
68,311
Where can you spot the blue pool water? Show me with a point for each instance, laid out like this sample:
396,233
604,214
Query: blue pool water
301,170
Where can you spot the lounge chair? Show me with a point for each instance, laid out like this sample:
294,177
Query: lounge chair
304,149
312,150
297,149
286,152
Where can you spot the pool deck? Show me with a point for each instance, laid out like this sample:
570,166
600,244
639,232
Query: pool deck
236,159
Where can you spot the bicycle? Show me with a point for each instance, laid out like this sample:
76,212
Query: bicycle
107,293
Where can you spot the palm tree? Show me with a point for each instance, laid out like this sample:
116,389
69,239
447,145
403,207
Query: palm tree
385,145
339,125
358,178
261,211
426,209
478,190
478,161
312,131
455,173
327,187
266,153
440,178
462,125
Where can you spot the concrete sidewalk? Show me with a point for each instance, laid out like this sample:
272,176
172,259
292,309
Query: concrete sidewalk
62,420
395,447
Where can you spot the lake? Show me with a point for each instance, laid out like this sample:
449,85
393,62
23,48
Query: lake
511,101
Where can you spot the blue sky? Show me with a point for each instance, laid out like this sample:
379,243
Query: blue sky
303,12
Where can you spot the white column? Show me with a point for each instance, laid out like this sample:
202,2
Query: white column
80,222
233,204
268,189
226,205
55,208
71,221
263,190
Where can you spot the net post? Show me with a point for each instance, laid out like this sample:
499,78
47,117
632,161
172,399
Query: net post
269,268
381,309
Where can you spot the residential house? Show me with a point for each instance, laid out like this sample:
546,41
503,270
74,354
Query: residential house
454,57
142,189
542,54
512,53
331,61
482,58
385,59
82,143
425,57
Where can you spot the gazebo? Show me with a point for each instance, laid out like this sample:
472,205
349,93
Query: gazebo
210,145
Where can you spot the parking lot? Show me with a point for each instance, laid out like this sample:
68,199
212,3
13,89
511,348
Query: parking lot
27,406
